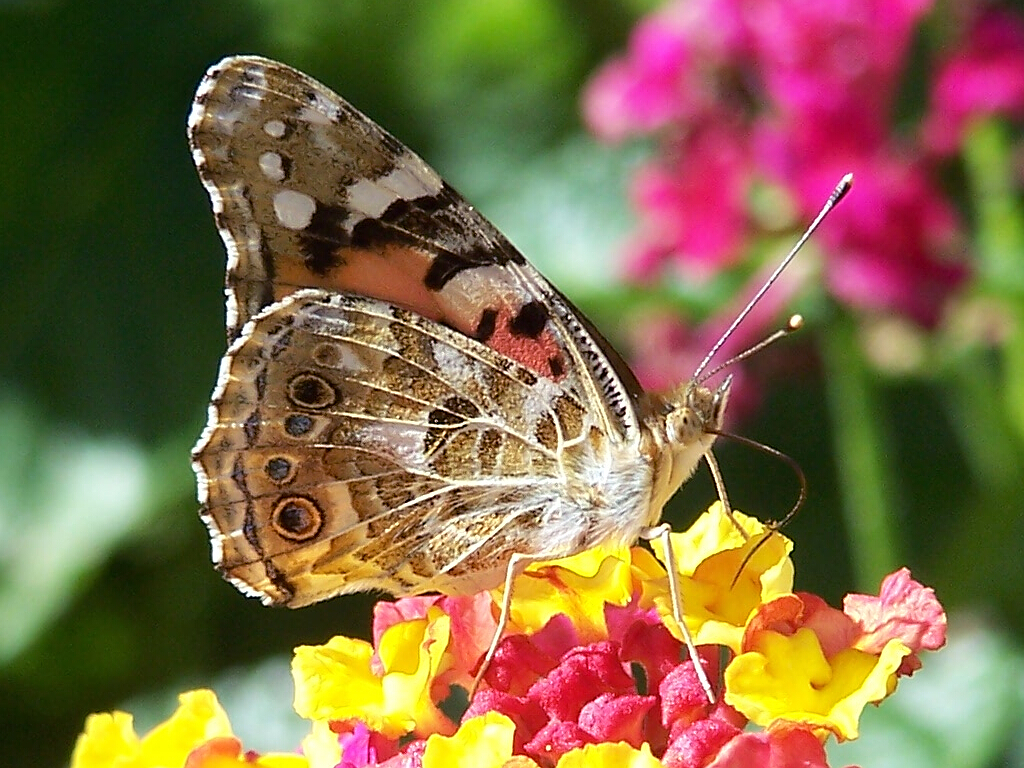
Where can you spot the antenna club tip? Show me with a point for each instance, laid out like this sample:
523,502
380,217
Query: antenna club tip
844,186
796,322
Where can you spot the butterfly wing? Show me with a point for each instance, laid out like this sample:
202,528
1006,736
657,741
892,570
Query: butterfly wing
309,192
355,445
430,407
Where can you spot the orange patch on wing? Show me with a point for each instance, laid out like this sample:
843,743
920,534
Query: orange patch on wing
536,353
392,274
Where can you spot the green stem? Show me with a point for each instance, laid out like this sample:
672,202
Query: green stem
860,448
988,158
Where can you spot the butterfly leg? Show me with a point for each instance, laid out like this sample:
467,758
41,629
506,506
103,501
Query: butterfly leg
516,565
675,590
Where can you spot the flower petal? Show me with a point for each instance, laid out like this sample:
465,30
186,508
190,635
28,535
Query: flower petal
482,742
619,755
709,556
577,587
789,678
336,681
904,609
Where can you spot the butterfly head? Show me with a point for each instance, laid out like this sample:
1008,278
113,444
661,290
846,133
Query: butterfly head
687,421
695,413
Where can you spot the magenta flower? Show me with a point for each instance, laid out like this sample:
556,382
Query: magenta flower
788,96
985,76
704,224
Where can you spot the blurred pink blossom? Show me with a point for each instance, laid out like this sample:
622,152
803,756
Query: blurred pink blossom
984,76
790,95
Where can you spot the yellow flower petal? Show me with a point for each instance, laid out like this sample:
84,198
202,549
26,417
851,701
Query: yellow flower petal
619,755
709,555
109,740
336,681
481,742
321,746
407,682
198,719
577,586
788,678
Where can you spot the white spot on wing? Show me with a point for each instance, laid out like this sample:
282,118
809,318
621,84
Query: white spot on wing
272,166
274,128
411,178
408,180
369,198
294,209
310,115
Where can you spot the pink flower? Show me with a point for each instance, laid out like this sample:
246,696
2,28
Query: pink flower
896,246
984,77
705,225
641,93
836,64
904,609
588,698
664,77
789,96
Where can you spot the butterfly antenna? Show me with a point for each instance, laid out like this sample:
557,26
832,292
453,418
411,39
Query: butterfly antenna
795,323
837,194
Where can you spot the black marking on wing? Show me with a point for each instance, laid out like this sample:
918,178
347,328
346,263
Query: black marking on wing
297,424
323,236
251,427
486,326
530,320
444,267
557,365
374,233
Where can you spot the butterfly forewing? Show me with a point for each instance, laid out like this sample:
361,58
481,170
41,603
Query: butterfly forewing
309,192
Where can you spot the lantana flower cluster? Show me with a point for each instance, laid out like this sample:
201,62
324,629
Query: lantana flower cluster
759,108
592,671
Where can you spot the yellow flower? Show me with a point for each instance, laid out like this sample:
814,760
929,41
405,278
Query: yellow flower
788,677
577,586
607,755
197,735
720,592
321,746
481,742
336,681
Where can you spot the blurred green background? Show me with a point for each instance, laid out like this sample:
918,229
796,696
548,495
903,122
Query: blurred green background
114,328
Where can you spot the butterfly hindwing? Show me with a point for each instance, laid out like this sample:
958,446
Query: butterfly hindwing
357,445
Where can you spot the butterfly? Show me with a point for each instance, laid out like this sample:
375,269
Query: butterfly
405,403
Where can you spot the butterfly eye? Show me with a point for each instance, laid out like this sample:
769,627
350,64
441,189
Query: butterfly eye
683,425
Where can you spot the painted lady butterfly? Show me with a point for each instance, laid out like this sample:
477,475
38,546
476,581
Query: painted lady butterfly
405,404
